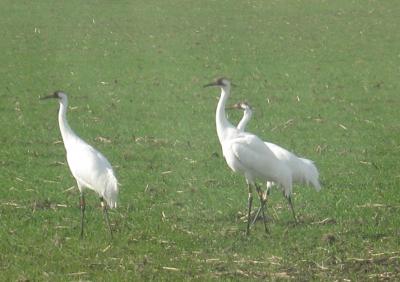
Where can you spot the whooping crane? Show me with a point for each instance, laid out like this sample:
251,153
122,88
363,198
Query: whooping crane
247,154
303,171
88,166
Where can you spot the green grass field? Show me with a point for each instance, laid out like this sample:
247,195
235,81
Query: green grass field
323,77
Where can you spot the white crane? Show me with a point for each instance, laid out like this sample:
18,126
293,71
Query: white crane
247,154
303,171
88,166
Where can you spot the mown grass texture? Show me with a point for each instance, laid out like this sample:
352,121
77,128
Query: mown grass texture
322,77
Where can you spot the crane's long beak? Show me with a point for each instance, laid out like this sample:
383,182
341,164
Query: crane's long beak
48,97
217,84
211,84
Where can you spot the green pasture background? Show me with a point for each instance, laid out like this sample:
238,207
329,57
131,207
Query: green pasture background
322,76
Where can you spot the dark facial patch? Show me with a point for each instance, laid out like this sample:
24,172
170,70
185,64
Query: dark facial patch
56,94
220,81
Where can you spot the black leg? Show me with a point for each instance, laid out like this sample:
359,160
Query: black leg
257,215
250,201
83,205
264,197
291,207
263,200
105,212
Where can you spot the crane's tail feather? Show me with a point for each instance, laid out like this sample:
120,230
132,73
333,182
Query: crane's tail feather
310,173
110,194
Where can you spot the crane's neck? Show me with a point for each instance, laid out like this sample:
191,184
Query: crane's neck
245,119
67,134
221,121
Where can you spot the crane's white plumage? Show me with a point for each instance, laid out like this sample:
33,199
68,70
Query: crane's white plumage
92,170
303,171
246,153
88,166
258,160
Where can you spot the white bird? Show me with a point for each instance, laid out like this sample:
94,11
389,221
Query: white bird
88,166
247,154
303,171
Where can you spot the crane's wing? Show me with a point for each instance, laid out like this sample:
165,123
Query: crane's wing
256,159
279,152
93,170
86,162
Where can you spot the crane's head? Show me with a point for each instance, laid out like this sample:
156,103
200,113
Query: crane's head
60,95
221,82
241,106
